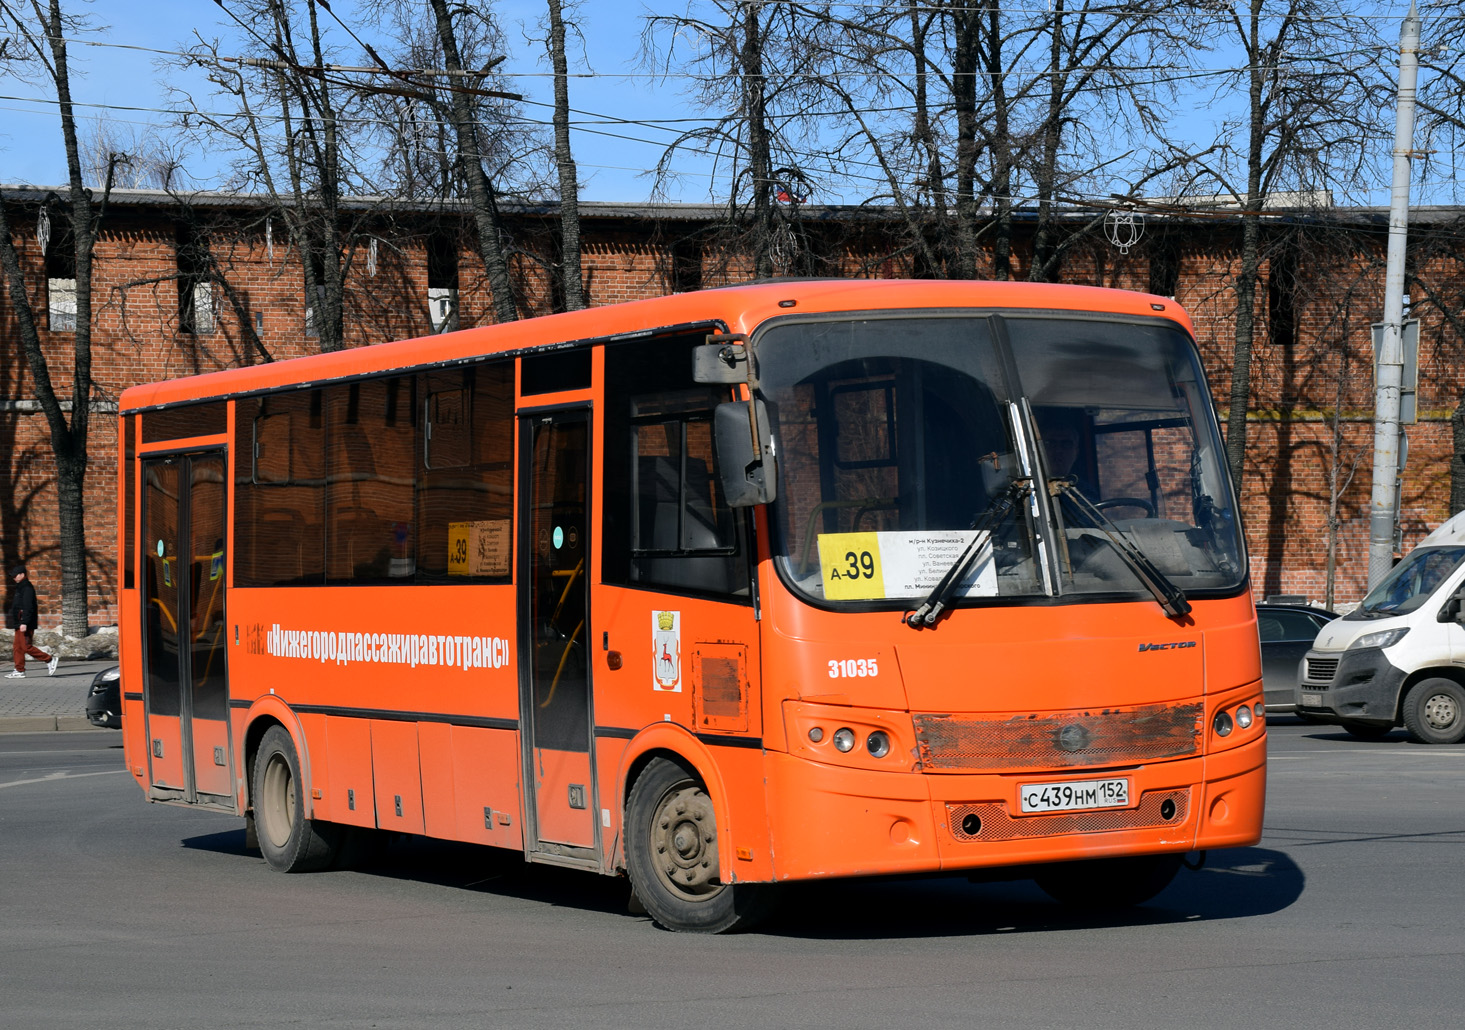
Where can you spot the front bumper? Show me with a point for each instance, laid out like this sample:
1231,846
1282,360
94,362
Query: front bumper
1363,688
827,821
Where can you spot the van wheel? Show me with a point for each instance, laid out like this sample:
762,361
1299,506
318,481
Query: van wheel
289,842
672,856
1105,884
1434,712
1367,730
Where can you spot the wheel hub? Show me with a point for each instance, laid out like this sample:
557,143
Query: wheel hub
1440,712
684,841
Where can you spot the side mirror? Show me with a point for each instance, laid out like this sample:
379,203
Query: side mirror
744,453
1449,611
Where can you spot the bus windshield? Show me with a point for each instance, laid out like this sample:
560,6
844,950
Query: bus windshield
1411,582
904,442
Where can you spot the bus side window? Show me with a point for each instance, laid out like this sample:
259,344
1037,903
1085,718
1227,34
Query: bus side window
666,523
371,445
279,505
465,475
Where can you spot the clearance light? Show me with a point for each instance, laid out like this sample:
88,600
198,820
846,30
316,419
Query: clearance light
878,744
816,734
1261,711
844,739
1223,724
1243,716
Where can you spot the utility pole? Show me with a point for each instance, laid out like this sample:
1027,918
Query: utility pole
1390,359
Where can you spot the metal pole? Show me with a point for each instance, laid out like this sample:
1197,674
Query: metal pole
1390,359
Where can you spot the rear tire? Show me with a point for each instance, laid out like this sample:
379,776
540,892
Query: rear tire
1106,884
1434,712
289,842
1367,730
672,856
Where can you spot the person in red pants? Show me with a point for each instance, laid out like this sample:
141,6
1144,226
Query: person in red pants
25,611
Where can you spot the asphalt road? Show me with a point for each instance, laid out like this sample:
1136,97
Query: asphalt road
115,913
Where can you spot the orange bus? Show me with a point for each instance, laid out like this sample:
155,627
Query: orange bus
716,591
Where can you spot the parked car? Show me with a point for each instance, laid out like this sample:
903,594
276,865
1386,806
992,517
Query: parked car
104,699
1286,631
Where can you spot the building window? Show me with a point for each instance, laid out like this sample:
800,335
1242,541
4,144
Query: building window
315,307
1282,295
196,312
442,283
61,285
686,265
1165,267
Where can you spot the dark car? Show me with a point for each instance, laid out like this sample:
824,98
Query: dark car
104,699
1286,631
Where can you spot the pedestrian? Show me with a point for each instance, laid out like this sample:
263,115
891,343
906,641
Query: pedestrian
25,611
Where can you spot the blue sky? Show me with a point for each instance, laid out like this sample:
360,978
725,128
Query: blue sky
611,167
612,158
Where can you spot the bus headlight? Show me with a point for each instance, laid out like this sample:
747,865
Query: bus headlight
878,744
844,739
1243,716
1222,724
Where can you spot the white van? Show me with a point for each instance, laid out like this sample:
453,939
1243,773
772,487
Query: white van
1400,658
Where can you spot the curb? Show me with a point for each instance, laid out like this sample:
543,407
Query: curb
45,724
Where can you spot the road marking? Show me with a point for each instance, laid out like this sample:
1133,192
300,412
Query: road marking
51,777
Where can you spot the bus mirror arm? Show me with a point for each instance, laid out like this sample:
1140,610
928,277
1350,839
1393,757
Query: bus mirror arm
745,453
723,360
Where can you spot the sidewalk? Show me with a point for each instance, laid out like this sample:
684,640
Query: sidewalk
42,703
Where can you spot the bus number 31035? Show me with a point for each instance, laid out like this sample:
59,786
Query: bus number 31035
849,668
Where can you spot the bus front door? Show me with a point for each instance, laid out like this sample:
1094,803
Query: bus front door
554,613
185,689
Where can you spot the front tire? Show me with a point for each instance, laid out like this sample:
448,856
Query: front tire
1106,884
289,841
672,856
1434,712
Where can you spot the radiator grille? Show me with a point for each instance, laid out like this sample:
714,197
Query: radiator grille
998,824
1322,669
1116,736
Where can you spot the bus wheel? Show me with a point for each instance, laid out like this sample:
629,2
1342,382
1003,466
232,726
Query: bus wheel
1434,712
289,842
1100,884
671,855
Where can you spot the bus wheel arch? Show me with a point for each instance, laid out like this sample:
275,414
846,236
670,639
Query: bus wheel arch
672,833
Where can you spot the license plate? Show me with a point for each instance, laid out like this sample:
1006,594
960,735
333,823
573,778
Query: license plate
1312,700
1071,796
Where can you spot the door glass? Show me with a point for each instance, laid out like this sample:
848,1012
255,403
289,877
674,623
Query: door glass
162,589
557,585
206,582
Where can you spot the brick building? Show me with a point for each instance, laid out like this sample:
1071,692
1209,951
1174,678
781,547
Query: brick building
177,280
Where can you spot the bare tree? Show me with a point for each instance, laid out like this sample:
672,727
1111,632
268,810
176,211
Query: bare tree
38,32
767,116
572,283
136,159
291,137
492,237
1313,95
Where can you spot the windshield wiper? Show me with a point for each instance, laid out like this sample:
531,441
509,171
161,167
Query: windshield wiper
1001,507
1170,596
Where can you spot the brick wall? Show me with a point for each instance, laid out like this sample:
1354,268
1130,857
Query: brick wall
1312,393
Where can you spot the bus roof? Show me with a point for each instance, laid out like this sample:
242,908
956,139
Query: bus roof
740,308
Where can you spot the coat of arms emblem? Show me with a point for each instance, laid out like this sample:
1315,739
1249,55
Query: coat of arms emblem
666,646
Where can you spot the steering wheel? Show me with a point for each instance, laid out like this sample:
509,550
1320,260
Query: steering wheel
1128,502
